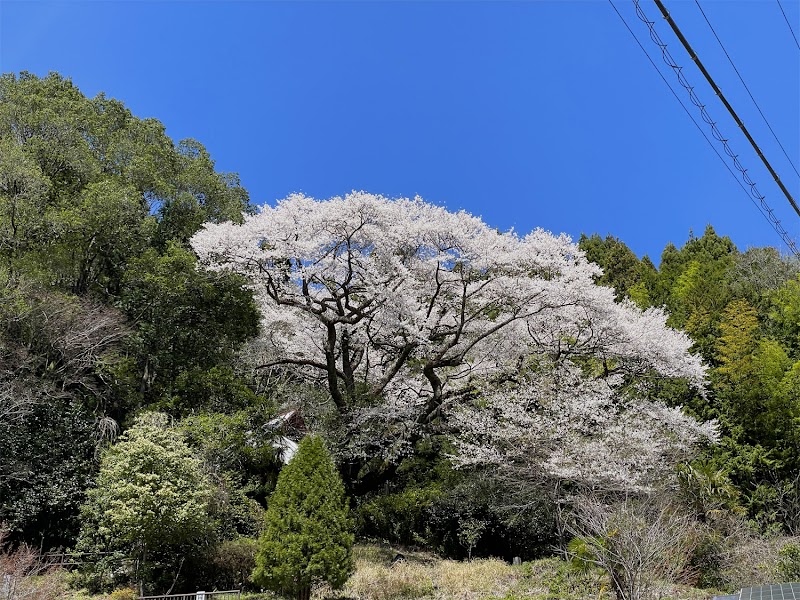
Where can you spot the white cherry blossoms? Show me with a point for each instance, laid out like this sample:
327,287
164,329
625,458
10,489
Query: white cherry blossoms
415,308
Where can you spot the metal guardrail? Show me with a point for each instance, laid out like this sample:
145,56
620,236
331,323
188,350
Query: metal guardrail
224,595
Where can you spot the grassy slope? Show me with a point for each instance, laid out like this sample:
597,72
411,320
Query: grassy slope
425,576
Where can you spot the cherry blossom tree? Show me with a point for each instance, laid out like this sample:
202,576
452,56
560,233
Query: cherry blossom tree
557,421
408,302
429,313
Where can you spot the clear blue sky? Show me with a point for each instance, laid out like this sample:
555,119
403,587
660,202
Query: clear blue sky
527,113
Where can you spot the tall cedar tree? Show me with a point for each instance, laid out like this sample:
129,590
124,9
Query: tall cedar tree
307,537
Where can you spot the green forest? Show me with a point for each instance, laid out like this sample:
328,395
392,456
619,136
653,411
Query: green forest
455,398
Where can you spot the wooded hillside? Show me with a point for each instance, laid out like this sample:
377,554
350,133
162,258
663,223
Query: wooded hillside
481,393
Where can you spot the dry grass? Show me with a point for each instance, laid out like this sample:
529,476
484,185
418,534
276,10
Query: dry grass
439,579
423,576
477,578
378,582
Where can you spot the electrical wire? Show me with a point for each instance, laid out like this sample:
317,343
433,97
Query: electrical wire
715,132
693,55
788,23
689,113
730,60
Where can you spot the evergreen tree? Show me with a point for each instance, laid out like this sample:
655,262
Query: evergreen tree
307,536
621,267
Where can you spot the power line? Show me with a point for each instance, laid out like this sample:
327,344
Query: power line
730,60
722,98
788,23
667,57
689,114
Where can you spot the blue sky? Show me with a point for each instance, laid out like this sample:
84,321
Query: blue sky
530,114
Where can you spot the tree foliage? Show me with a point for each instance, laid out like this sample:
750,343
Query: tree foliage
738,310
622,269
595,432
190,321
150,502
307,537
52,348
102,310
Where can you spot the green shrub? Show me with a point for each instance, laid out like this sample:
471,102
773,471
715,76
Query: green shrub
707,560
400,518
232,562
123,594
573,580
789,563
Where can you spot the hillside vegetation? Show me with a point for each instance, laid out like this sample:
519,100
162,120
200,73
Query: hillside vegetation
627,429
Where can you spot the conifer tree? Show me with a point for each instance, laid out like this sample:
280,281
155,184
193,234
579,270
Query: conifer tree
307,538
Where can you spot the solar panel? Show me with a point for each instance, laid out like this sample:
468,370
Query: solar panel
778,591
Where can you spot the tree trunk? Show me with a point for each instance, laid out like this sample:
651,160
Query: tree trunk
330,361
347,366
